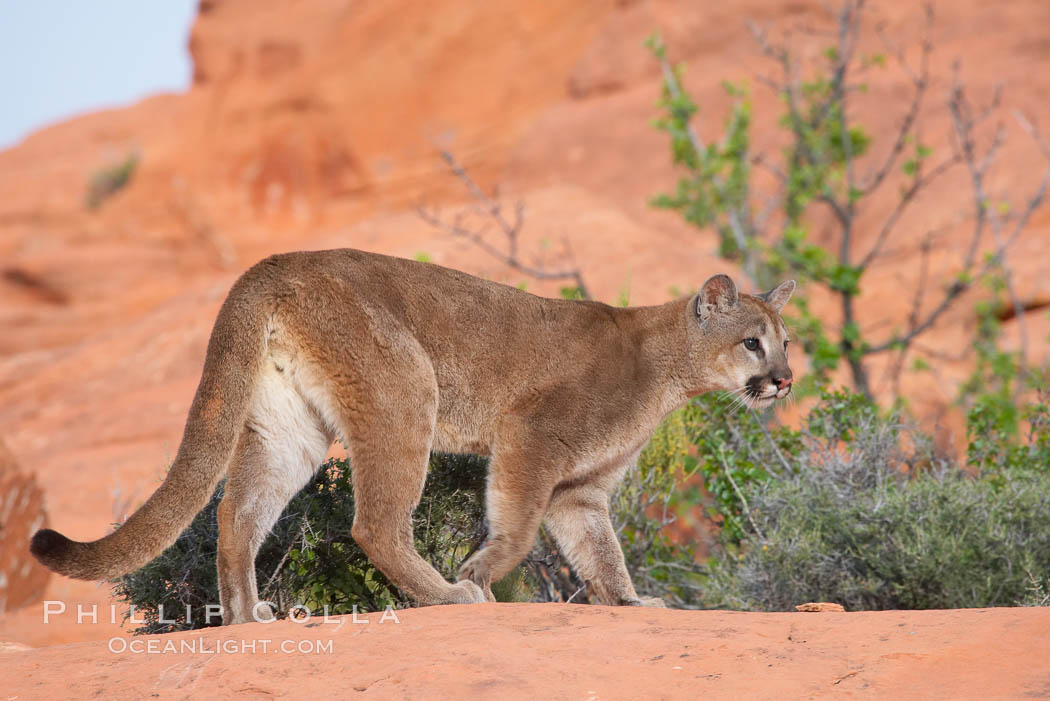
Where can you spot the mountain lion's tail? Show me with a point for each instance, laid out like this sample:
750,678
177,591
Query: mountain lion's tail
216,418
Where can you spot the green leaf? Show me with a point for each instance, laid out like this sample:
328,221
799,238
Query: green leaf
851,332
845,279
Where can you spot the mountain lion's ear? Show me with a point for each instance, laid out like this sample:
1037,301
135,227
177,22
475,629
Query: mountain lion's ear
779,295
717,295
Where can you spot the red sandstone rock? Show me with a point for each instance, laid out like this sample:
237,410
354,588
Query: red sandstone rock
558,651
22,579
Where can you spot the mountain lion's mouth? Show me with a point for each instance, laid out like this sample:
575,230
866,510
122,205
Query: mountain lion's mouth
766,399
761,393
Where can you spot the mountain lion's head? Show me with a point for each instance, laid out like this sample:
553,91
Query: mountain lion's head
744,341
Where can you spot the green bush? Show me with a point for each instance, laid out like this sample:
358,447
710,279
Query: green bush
109,180
872,517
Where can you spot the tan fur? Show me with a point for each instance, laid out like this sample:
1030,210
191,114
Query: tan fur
398,358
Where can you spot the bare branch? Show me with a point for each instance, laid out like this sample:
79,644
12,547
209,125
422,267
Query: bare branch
511,230
895,368
841,213
920,81
907,197
761,161
920,287
964,121
940,354
964,282
1034,132
1018,306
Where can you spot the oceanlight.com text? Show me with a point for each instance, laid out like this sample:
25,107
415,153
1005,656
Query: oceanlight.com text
205,646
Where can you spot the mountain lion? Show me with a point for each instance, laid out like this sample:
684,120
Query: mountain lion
398,358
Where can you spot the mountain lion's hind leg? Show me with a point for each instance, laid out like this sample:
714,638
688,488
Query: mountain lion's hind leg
278,453
378,384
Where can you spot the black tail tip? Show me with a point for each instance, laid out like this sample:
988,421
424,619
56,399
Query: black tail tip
46,544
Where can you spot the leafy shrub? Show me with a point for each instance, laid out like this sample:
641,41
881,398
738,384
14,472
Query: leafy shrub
1038,593
872,517
111,179
734,449
1007,400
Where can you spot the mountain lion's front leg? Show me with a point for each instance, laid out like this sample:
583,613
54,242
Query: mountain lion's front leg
519,488
578,518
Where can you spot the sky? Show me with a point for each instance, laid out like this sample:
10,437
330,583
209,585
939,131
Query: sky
60,58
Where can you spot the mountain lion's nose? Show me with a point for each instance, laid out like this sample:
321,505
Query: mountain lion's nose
782,382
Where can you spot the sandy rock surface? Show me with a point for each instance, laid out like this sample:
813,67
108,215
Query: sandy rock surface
530,651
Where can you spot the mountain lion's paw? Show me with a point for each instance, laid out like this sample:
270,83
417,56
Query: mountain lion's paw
476,570
650,601
465,592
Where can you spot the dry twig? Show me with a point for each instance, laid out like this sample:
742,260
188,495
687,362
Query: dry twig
492,209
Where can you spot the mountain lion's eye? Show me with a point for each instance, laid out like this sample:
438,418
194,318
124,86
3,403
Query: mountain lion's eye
785,345
751,344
